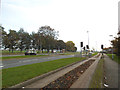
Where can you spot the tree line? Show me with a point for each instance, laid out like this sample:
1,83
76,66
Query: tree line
115,45
46,38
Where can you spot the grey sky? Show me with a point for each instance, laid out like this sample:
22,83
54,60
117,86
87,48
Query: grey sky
72,18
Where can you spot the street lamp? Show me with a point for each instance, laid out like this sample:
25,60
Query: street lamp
32,44
112,48
88,46
88,37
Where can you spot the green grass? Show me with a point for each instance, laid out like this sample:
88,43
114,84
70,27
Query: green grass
116,58
6,52
70,53
94,54
15,75
97,78
18,57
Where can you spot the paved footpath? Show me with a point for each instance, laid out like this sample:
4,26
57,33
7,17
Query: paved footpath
111,72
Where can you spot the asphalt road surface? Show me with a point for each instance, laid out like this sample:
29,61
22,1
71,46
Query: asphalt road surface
18,55
20,62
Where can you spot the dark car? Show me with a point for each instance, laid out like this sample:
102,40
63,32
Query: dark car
30,53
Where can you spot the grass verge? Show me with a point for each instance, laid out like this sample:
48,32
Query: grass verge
97,78
69,53
94,54
116,58
18,57
6,52
15,75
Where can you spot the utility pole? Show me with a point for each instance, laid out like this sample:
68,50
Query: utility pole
88,44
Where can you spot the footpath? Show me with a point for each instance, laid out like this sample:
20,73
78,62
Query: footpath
111,69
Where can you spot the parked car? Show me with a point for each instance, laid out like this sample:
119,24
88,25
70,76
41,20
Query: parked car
30,52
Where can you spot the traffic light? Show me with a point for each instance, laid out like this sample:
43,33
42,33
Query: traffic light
87,46
81,43
84,48
101,46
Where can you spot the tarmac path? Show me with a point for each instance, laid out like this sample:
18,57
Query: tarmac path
111,72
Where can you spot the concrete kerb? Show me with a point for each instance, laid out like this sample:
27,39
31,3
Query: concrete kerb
25,83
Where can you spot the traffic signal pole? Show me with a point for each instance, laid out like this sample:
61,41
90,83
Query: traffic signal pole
81,45
102,50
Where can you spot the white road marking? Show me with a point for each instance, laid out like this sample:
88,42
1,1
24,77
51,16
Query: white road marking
29,60
1,66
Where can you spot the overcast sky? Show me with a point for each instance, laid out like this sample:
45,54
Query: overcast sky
72,18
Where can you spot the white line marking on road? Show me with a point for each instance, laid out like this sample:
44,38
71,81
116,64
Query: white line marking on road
26,61
1,66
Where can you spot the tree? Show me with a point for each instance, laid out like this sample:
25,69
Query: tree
3,38
12,39
116,45
47,37
60,45
21,41
34,37
27,41
70,46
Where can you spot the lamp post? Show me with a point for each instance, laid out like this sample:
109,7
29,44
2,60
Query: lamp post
88,45
112,48
88,37
31,44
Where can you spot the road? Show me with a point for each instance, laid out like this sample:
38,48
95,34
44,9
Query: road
19,55
24,54
20,62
